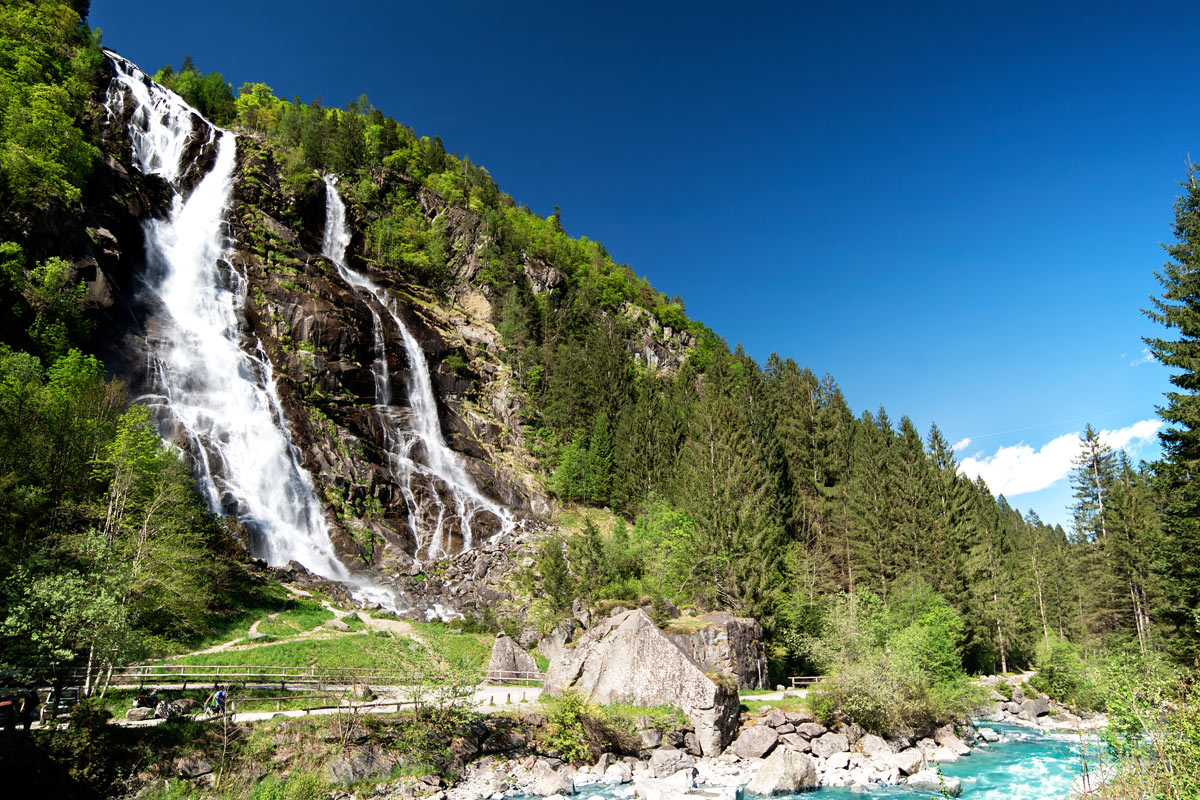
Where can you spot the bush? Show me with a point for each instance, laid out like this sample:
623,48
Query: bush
1063,674
580,731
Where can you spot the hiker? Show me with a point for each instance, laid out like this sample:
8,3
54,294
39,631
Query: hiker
29,703
216,701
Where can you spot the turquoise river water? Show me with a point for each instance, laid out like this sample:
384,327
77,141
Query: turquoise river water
1025,765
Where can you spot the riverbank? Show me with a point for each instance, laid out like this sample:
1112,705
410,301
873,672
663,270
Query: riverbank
785,752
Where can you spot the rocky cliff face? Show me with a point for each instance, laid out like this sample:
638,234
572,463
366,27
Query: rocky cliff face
317,334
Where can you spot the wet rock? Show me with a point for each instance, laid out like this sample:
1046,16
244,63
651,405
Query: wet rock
908,761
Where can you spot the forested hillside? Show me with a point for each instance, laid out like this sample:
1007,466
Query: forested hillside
740,486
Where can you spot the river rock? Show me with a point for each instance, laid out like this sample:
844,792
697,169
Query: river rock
988,735
830,743
650,738
873,746
755,742
191,767
548,781
908,761
945,737
784,772
929,780
838,761
627,659
667,761
810,730
796,742
1036,707
616,774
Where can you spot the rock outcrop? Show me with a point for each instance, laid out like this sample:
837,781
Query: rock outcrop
729,644
627,659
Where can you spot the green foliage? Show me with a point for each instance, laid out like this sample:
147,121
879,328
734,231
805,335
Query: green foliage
893,664
48,58
207,93
565,732
1063,674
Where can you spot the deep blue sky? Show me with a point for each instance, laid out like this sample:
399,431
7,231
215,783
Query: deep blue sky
954,208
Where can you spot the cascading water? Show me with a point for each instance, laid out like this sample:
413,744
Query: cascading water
430,516
208,390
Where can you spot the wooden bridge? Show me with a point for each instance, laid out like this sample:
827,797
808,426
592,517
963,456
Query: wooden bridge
804,681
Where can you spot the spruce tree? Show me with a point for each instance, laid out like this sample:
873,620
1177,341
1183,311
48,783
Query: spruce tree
1178,309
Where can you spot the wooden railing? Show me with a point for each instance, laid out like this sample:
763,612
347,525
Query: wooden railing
800,681
161,674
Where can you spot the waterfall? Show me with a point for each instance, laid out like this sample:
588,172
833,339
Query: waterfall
208,390
418,457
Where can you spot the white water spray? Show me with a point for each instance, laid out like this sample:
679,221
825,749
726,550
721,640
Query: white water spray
430,515
220,398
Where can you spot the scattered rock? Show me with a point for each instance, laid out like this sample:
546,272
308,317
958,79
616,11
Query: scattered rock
139,714
362,763
548,781
830,743
336,624
668,761
755,742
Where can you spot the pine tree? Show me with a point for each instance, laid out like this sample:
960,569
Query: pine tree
1178,309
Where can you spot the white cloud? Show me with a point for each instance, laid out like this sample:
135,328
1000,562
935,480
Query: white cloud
1019,469
1145,358
961,445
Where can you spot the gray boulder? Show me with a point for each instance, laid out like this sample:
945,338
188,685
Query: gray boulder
796,742
554,643
929,780
616,774
548,781
191,767
784,772
667,761
908,761
650,738
873,746
830,743
508,658
755,742
810,730
730,645
945,737
337,625
1037,708
362,763
139,714
627,659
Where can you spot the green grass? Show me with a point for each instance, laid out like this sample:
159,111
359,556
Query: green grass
301,615
247,607
664,718
462,652
120,701
789,703
350,650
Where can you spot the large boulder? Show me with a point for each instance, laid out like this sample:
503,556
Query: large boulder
548,781
360,764
555,642
669,760
728,644
508,658
627,659
784,772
